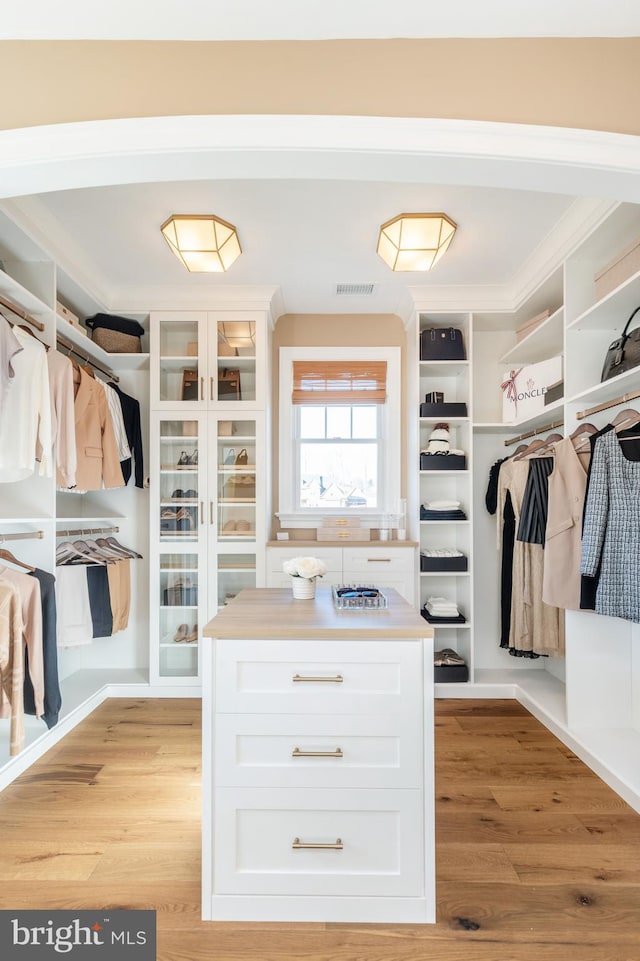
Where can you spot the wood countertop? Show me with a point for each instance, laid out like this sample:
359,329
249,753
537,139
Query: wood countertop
272,613
316,545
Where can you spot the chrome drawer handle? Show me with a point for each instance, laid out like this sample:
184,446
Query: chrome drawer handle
298,845
298,753
338,679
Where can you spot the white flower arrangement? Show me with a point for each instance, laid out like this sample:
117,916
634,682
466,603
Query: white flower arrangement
309,567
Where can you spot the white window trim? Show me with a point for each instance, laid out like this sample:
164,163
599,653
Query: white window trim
287,513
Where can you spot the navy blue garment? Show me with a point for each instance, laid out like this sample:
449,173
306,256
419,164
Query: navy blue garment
52,696
100,600
131,418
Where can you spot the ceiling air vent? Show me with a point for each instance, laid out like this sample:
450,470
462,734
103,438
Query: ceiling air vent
350,290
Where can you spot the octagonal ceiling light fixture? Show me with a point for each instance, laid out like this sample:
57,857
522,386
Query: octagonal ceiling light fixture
415,241
203,243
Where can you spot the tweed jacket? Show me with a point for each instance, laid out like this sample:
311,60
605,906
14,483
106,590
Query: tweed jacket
97,451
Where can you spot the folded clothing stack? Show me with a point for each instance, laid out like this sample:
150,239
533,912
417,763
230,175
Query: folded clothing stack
443,510
440,610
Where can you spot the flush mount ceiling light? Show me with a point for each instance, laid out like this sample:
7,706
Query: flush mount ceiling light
201,242
415,241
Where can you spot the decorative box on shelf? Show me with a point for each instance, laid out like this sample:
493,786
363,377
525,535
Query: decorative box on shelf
443,461
443,561
530,325
342,528
524,388
66,314
624,265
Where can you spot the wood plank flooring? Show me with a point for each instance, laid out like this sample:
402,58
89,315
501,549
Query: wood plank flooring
537,859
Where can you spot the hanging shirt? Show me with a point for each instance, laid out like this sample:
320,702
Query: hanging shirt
11,664
98,462
25,415
132,422
29,590
117,422
9,347
63,429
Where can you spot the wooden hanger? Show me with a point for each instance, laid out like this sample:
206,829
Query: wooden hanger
547,445
530,449
519,449
625,418
127,551
580,436
6,555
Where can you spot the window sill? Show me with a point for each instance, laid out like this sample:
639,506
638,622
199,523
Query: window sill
314,518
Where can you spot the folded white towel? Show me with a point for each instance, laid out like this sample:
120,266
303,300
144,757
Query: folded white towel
442,505
441,607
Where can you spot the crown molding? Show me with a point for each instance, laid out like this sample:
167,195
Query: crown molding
202,297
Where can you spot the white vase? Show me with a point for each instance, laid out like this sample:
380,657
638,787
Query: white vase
304,588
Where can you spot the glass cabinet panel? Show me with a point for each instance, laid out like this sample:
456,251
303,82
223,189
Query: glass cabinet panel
181,497
178,623
236,459
235,572
236,361
180,375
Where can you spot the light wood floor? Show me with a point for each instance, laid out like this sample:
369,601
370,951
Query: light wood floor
537,860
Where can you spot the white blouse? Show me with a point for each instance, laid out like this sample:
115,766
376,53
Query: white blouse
25,414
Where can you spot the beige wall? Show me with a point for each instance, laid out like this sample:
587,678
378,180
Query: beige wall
332,330
587,83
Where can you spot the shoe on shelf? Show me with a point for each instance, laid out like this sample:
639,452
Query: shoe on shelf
193,459
242,526
177,495
229,526
192,635
183,460
190,493
180,636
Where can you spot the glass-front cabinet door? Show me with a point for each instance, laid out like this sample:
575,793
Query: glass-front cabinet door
179,371
179,513
236,358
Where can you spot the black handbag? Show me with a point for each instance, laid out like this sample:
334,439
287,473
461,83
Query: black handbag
442,343
624,353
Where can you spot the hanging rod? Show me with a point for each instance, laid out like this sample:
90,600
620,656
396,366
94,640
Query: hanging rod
22,314
607,404
88,530
70,348
23,536
532,433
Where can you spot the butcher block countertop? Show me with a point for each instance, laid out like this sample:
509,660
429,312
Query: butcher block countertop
271,613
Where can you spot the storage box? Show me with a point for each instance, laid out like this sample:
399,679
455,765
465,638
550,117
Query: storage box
444,564
624,265
524,389
225,428
192,348
530,325
341,522
68,315
443,410
434,397
450,673
443,461
554,392
343,534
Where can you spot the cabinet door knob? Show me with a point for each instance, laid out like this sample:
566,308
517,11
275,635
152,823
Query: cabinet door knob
338,679
299,845
298,753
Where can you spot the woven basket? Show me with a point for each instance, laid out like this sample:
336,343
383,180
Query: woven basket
116,342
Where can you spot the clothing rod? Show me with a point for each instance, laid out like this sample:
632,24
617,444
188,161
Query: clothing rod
87,360
607,404
23,536
532,433
22,314
88,530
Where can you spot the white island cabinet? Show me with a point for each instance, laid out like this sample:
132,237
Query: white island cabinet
318,761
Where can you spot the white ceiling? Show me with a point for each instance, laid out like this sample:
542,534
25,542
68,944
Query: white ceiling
316,19
301,236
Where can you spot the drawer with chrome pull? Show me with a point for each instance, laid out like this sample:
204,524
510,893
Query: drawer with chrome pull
377,561
331,751
318,677
318,842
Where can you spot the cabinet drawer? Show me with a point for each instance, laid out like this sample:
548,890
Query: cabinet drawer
377,560
332,556
402,582
318,677
316,751
376,840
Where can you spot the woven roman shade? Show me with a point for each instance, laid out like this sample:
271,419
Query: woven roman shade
339,382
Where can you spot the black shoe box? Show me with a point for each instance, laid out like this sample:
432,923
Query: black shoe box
443,410
450,673
445,564
443,461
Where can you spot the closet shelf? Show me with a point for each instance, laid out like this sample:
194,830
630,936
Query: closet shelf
87,347
22,297
443,368
519,426
546,341
453,421
626,383
444,473
445,574
612,312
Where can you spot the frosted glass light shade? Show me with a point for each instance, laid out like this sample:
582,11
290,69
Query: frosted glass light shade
201,242
415,241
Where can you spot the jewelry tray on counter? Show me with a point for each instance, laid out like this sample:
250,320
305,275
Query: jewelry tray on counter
358,597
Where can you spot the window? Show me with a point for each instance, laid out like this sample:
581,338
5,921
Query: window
343,420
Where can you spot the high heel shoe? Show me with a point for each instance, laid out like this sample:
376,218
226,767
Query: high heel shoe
192,636
193,459
182,634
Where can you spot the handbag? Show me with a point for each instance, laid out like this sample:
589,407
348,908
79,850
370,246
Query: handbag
118,335
442,343
229,384
241,487
624,353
